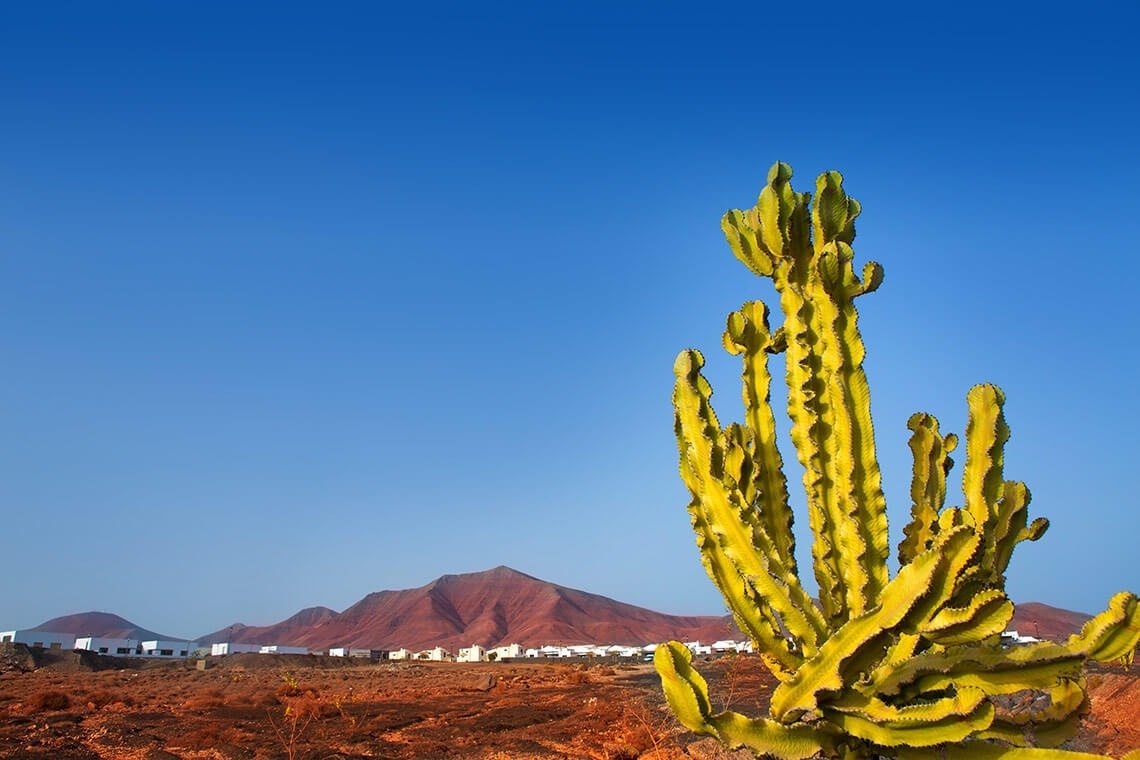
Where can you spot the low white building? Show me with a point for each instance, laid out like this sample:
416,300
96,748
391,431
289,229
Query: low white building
439,654
280,649
106,645
510,651
347,652
474,653
45,639
1009,638
552,651
136,648
400,654
229,647
171,648
728,645
698,649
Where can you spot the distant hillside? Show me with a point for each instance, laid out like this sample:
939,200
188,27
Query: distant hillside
1044,622
240,633
498,606
102,624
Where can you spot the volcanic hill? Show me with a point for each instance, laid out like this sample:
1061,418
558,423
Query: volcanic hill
490,608
102,624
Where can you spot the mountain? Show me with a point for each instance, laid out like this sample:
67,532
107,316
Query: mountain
499,606
102,624
1044,622
240,633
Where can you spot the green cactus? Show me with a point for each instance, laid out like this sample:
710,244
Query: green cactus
909,666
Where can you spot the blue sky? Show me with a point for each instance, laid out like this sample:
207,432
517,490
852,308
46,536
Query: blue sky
301,303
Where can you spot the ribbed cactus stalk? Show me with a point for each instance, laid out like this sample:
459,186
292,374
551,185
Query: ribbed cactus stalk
909,666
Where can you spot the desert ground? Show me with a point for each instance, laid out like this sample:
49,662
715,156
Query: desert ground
68,706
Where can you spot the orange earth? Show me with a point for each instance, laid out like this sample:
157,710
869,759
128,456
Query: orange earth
257,707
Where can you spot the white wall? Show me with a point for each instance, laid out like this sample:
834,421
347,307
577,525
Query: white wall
104,645
46,639
278,649
168,648
229,647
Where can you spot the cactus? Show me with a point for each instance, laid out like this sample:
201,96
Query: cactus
909,666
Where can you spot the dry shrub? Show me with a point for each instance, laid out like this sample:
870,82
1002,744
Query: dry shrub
288,691
309,705
202,703
577,677
52,699
103,697
210,737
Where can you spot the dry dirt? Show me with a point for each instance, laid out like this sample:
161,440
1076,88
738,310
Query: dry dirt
258,707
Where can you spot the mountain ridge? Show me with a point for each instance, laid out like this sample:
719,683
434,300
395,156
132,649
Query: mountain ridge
490,608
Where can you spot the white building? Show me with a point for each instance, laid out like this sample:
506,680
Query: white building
510,651
105,645
1009,638
135,647
727,645
474,653
698,649
172,648
45,639
347,652
552,651
399,654
229,647
279,649
439,654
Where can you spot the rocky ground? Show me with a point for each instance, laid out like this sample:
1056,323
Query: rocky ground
258,707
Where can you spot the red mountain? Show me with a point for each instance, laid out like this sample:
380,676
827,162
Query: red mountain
1044,622
102,624
499,606
240,633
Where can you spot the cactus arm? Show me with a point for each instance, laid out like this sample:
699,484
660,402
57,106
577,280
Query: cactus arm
950,719
1065,699
742,230
982,483
858,507
1012,526
805,402
1113,633
686,691
728,526
992,669
986,434
975,750
903,601
987,614
748,608
748,335
769,738
930,450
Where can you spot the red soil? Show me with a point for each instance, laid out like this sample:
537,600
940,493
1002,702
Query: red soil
261,707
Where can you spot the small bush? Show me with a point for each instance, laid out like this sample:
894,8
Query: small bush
52,699
103,697
202,703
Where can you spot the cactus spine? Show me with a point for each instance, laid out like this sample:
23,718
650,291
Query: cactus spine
908,666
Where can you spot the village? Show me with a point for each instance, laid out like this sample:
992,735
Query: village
181,649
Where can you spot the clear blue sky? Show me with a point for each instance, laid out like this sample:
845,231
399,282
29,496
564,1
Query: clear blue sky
299,303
